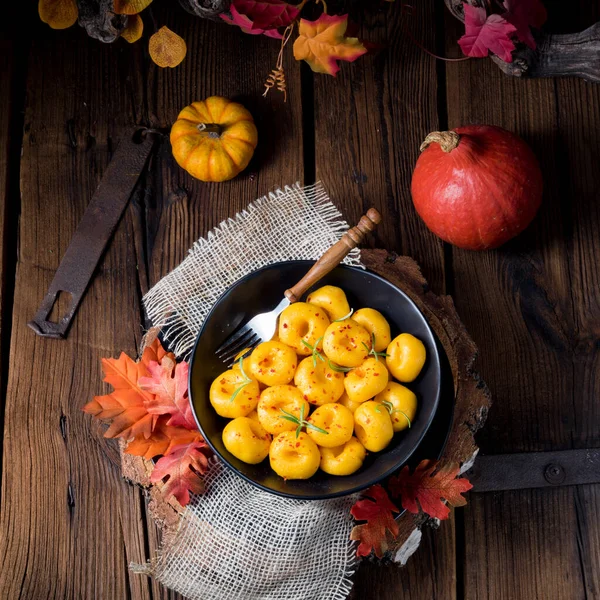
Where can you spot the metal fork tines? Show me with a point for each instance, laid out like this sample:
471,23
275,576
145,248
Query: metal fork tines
260,328
244,338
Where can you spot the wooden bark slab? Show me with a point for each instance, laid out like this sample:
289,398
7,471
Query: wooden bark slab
471,396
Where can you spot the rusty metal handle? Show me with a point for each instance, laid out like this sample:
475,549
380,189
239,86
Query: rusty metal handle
94,231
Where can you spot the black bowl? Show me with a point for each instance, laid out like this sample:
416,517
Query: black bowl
260,292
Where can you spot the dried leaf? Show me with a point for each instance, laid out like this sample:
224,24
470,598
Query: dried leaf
167,49
168,383
323,42
125,405
246,25
485,33
59,14
162,440
430,484
130,7
267,14
524,14
377,511
181,469
135,28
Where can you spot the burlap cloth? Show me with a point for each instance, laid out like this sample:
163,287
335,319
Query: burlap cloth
236,542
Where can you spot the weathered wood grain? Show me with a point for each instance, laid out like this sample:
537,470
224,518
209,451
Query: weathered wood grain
69,524
537,298
369,122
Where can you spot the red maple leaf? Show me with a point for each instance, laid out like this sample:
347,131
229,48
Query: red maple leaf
485,33
168,384
377,511
267,14
524,14
181,470
246,24
430,484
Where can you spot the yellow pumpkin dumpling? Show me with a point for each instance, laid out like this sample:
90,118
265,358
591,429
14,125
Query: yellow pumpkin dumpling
343,460
233,395
347,343
247,440
319,383
301,326
403,403
406,357
373,426
366,381
376,324
273,401
253,415
333,425
332,299
273,363
294,457
349,404
245,362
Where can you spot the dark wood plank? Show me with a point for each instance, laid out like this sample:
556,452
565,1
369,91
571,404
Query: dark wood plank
70,525
369,123
429,574
538,300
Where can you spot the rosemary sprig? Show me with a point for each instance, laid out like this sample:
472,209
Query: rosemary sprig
300,422
372,351
315,351
390,408
339,368
344,318
245,382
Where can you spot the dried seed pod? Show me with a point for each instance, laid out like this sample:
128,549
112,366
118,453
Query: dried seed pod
99,20
207,9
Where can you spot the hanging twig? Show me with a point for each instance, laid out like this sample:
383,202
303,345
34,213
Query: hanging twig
277,75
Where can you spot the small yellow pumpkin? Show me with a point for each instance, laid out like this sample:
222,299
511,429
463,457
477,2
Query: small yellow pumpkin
214,140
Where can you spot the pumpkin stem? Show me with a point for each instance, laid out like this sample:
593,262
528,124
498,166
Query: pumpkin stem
212,129
448,140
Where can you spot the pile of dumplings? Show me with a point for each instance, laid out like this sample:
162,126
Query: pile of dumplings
323,392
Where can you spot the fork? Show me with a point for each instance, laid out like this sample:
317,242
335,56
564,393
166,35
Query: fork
261,328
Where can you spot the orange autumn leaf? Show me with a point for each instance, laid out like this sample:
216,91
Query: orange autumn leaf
430,484
155,352
181,471
125,405
135,28
167,49
323,42
376,509
59,14
130,7
162,440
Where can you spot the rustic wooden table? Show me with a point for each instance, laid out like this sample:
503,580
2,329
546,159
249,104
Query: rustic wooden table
69,524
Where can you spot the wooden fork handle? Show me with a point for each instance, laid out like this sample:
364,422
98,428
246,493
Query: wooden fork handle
334,256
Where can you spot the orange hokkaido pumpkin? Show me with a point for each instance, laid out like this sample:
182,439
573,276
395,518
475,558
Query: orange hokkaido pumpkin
214,140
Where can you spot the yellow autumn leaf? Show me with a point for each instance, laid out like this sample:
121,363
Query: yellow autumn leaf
323,42
167,49
59,14
135,28
130,7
